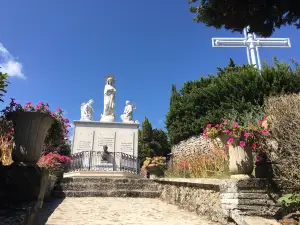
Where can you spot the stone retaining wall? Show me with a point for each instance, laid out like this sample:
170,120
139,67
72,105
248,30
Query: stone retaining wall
223,200
186,149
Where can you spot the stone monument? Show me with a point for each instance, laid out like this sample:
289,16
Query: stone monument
108,142
127,116
87,111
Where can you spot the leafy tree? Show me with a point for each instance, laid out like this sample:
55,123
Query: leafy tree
152,141
3,85
262,16
236,92
146,134
162,143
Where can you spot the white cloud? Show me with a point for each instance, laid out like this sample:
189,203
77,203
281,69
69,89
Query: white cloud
9,64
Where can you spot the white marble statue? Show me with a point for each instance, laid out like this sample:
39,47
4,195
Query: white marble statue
128,111
87,111
109,100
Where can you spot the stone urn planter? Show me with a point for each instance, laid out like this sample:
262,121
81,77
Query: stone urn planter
156,170
240,160
30,130
58,171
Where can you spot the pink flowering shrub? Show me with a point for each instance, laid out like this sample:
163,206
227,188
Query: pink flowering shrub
59,130
49,161
236,134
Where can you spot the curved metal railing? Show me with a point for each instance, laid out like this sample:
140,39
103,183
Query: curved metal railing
92,161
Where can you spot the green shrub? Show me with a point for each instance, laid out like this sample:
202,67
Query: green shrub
236,91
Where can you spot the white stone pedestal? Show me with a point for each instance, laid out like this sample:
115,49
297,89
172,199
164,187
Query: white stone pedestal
93,135
120,138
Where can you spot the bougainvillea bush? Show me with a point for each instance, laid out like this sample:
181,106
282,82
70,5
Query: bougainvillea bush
50,160
236,134
57,135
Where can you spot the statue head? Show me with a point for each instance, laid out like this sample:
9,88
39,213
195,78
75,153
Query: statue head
127,102
105,148
91,101
110,79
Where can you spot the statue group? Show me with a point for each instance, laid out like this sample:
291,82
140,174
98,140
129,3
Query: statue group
109,105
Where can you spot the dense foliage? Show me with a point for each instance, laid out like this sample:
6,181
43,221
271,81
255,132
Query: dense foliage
152,141
3,85
262,16
236,93
283,145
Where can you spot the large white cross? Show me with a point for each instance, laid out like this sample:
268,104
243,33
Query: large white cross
251,43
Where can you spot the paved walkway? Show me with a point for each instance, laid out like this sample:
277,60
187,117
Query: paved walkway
116,211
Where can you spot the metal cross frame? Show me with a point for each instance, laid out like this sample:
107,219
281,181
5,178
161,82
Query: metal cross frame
251,43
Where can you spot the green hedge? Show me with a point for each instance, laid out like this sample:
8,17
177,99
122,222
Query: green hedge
236,92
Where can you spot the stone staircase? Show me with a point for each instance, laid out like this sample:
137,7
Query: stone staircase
106,187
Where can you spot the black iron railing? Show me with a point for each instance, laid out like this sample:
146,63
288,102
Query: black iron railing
92,161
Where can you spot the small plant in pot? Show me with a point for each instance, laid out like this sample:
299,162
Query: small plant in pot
55,164
155,166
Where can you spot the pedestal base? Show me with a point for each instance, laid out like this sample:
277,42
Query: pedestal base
107,119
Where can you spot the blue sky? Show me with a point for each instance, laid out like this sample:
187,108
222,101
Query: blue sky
65,49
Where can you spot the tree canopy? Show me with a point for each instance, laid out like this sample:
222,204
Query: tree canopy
237,92
262,16
152,141
3,85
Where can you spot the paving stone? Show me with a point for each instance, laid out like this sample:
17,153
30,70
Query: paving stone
116,211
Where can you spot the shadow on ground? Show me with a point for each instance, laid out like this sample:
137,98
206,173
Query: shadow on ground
48,208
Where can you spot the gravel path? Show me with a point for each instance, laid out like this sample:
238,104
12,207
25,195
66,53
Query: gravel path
116,211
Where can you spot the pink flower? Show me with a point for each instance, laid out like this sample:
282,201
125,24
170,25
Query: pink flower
205,131
216,126
58,109
265,132
205,135
28,103
38,107
254,146
221,125
235,125
242,143
230,133
208,125
230,141
258,158
259,122
246,134
226,131
226,146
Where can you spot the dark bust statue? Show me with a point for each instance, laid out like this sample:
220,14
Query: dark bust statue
105,153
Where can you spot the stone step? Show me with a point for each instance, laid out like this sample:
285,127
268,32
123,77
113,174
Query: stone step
106,180
80,186
101,193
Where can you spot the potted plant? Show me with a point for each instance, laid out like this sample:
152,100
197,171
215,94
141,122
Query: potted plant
239,142
55,164
155,166
33,129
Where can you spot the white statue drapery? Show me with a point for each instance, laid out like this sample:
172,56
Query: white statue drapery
109,100
87,110
127,116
